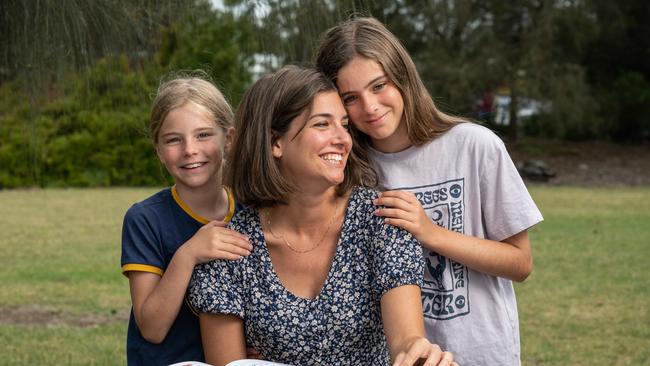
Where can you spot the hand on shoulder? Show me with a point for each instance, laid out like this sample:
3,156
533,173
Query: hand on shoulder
215,241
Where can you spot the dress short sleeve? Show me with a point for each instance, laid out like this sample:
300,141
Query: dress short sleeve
396,256
215,288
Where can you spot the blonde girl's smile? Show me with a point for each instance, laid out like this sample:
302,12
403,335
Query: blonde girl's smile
191,146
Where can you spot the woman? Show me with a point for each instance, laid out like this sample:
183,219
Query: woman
326,278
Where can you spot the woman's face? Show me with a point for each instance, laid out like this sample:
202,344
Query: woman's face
315,149
374,103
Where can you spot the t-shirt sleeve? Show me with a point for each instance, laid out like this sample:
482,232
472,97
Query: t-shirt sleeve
396,258
141,243
508,208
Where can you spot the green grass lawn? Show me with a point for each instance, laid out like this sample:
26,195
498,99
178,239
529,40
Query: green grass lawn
64,301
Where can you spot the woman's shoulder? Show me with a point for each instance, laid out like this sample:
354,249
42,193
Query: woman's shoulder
361,199
243,219
360,193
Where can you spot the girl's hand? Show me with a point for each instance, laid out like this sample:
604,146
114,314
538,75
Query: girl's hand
215,241
422,352
403,210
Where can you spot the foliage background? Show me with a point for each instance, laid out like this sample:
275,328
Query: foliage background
77,78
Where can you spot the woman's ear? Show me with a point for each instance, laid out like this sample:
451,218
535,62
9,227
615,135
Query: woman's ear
276,145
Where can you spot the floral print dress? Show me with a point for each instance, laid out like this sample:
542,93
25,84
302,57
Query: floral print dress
342,325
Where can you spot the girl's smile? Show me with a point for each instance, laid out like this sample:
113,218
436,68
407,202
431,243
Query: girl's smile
374,103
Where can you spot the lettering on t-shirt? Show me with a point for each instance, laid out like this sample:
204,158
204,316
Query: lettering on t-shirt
445,292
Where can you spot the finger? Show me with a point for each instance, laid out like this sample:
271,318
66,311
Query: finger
419,350
234,249
405,196
221,254
232,233
404,224
401,194
399,359
234,240
394,202
395,214
446,360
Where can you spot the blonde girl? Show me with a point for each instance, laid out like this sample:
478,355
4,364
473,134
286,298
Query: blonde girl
167,234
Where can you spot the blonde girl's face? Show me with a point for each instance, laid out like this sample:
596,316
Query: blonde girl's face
374,103
313,153
192,146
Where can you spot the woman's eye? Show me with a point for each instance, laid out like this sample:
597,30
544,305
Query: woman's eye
172,140
204,135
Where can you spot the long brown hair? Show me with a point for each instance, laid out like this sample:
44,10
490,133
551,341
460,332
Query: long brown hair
367,37
264,115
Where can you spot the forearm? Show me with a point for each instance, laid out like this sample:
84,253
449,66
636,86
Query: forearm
157,311
510,258
401,310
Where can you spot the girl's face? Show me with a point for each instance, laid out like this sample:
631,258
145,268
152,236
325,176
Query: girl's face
191,146
374,104
315,149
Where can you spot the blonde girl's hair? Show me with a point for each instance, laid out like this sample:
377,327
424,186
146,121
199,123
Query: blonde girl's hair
264,115
180,89
368,38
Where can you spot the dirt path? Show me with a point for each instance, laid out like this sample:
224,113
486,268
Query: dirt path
592,163
39,315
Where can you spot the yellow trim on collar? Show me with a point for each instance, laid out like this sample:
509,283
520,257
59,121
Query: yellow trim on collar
231,205
201,219
141,268
186,208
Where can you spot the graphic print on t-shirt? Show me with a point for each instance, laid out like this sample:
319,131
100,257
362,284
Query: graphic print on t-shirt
445,292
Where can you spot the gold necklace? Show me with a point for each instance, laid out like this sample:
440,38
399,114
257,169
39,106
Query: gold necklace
286,242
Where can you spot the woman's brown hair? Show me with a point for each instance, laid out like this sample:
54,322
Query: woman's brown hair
368,38
264,115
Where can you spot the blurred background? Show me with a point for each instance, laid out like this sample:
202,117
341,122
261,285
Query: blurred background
77,77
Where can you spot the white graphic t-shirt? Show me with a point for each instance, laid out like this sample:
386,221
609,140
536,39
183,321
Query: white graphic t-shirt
466,182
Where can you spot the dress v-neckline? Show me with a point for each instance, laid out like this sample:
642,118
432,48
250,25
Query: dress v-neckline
270,269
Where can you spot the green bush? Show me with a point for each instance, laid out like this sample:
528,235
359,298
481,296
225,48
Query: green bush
94,135
90,129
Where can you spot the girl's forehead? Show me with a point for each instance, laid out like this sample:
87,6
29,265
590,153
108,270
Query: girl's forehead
358,72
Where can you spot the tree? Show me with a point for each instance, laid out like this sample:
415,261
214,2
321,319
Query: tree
218,42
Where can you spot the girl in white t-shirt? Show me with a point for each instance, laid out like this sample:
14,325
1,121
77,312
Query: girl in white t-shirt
452,185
